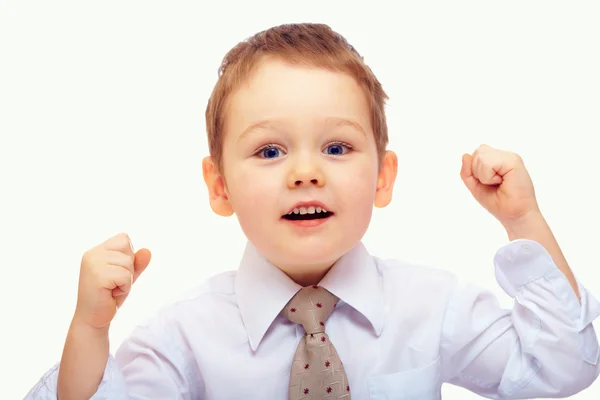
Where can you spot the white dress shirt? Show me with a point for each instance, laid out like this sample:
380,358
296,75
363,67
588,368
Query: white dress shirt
400,330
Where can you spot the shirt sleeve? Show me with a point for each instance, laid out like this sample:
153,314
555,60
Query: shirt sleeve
147,365
110,387
546,346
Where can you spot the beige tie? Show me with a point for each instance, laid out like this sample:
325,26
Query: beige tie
317,371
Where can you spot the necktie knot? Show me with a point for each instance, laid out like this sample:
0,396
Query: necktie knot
311,307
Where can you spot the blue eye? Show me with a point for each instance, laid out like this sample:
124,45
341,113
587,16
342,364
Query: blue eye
337,149
270,152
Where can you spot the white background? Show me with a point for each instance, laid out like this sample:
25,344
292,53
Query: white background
102,131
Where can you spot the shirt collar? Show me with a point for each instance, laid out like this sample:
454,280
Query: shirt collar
263,290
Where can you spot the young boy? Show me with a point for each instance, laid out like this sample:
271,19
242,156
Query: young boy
297,136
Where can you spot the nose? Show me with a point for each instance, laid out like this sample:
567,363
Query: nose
305,173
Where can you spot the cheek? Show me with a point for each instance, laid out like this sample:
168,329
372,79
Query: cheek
358,185
252,192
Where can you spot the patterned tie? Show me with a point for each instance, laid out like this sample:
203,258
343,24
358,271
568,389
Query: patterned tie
317,372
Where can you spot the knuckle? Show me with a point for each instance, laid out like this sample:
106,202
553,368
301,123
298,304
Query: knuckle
124,239
126,261
125,282
129,263
121,242
123,236
119,276
120,259
124,275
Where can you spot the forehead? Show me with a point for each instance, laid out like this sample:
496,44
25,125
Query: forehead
295,93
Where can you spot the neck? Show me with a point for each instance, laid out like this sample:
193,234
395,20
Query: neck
307,276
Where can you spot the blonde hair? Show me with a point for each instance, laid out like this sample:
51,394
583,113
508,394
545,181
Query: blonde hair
306,44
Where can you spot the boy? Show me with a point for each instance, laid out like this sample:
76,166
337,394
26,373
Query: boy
297,138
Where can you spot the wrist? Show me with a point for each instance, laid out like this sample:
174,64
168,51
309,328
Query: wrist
528,226
80,327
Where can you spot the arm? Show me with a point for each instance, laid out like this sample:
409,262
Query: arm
150,364
83,361
545,346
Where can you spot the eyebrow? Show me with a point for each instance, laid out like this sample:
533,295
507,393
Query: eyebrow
344,122
264,124
331,121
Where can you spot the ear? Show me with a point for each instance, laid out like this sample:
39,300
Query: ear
217,191
386,179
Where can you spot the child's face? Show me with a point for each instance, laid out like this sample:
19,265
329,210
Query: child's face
293,135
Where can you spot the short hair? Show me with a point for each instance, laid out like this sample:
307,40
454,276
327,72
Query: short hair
305,44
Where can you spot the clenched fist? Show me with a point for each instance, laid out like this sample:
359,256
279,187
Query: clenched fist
107,273
500,182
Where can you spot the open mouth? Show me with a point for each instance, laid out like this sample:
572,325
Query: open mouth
307,213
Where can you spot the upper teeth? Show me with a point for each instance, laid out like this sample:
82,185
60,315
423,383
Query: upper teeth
307,210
